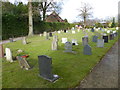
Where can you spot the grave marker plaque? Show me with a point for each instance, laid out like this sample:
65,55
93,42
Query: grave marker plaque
45,68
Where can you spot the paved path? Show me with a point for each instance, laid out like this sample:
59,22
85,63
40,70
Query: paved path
105,74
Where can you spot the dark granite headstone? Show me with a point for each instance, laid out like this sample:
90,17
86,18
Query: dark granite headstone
87,50
95,38
50,34
45,68
92,29
111,36
64,31
105,39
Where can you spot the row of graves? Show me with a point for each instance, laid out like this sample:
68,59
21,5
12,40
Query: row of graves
45,62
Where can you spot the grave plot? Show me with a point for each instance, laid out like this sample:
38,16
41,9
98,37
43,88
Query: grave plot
69,67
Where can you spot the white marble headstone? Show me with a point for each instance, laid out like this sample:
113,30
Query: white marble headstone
59,32
64,40
108,31
73,32
8,55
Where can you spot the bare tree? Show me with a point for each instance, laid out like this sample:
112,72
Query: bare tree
85,12
30,18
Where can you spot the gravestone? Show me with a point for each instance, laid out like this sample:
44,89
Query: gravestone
100,43
73,32
111,36
92,29
68,47
85,41
64,31
45,34
23,63
95,38
47,37
11,39
87,50
115,34
24,40
8,55
55,43
45,68
105,39
64,40
1,51
50,34
74,42
108,31
59,32
78,30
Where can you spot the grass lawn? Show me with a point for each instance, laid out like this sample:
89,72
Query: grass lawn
72,68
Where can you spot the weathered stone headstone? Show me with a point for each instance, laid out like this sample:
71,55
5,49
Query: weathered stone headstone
108,31
105,39
111,36
45,34
100,43
23,63
59,32
64,40
73,32
68,47
1,51
11,39
55,43
24,40
85,41
87,50
74,42
45,68
47,37
95,38
8,55
50,34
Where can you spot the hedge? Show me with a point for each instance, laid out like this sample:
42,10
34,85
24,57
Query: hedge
17,26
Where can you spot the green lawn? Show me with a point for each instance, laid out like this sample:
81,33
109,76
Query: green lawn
72,68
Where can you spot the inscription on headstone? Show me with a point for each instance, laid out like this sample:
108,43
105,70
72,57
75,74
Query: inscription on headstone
45,68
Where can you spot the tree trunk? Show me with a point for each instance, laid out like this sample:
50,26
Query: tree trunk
84,22
44,13
30,19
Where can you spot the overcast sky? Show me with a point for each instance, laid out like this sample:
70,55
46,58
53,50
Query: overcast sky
101,8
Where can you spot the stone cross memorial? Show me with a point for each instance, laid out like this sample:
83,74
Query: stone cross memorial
64,40
87,50
85,41
45,68
1,51
105,39
8,55
95,38
24,40
100,43
74,42
55,43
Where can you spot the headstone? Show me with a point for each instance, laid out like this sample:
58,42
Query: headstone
45,34
95,38
59,32
1,51
108,31
45,68
111,36
41,35
74,42
85,41
100,43
23,63
92,29
50,34
55,43
24,40
114,31
78,30
87,50
105,39
8,55
64,31
64,40
73,32
11,39
115,34
68,47
117,28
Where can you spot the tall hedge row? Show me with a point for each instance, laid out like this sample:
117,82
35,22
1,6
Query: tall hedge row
16,26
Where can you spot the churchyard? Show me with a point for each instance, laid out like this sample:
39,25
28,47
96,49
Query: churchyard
71,63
